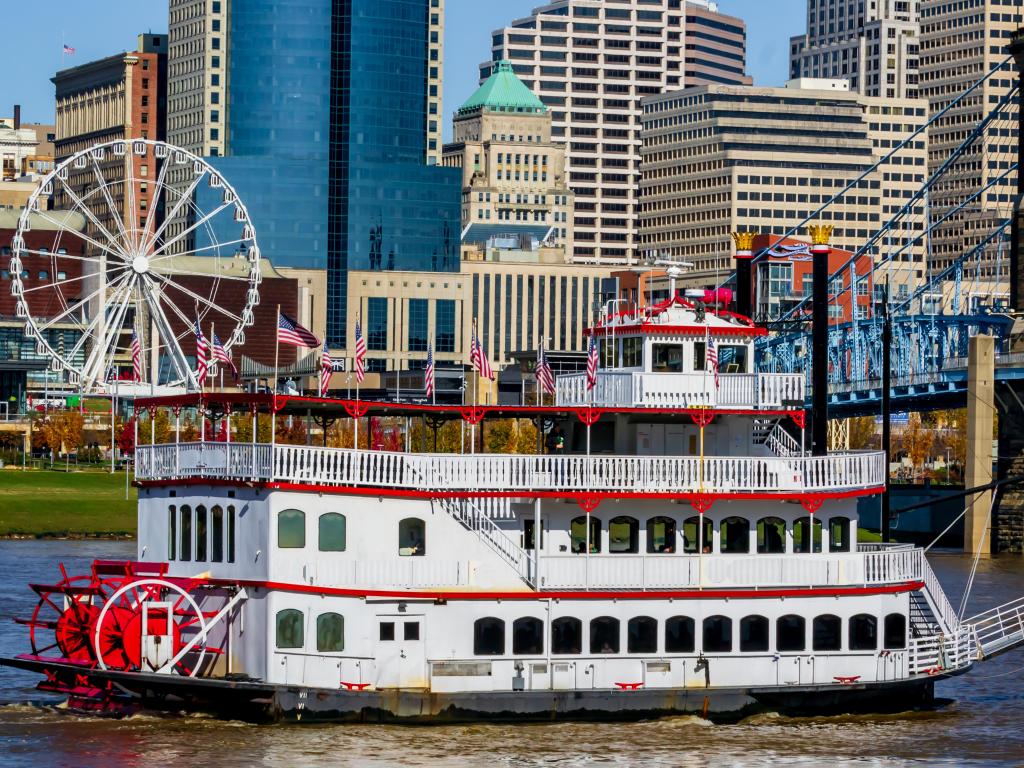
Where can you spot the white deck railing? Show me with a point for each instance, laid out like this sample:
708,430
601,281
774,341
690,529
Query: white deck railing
623,389
468,472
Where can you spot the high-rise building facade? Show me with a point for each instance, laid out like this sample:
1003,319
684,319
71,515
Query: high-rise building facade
591,62
874,44
961,42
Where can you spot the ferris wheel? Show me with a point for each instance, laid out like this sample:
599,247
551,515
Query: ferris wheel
146,241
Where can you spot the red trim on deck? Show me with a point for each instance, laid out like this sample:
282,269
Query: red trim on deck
647,328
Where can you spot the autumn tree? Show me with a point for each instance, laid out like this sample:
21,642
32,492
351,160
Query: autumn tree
862,432
917,441
63,431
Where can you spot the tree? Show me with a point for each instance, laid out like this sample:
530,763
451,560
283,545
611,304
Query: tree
862,432
63,431
917,441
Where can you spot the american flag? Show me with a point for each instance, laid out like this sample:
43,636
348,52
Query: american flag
428,372
360,359
545,378
478,358
326,369
68,50
290,332
220,354
592,361
202,354
711,357
136,357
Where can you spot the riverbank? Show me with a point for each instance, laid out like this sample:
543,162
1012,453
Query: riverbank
88,504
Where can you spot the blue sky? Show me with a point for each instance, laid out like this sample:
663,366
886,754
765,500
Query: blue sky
98,28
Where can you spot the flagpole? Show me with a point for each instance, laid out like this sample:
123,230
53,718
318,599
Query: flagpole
273,389
359,322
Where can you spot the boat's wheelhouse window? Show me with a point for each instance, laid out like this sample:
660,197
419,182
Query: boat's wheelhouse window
667,358
642,635
827,631
791,633
289,628
217,534
839,534
186,532
566,635
488,637
680,635
291,529
331,534
735,533
807,535
771,536
661,534
895,631
732,358
717,634
753,634
624,534
695,540
578,534
604,635
863,633
412,537
632,352
528,636
172,531
200,534
330,633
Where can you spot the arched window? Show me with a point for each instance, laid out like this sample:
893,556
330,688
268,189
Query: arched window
624,534
331,536
661,534
791,633
604,635
693,542
735,535
330,633
753,634
488,637
291,529
771,536
642,635
827,631
578,534
289,628
217,534
186,532
231,533
839,534
863,633
680,635
807,535
412,537
172,531
895,631
566,635
717,634
528,636
200,534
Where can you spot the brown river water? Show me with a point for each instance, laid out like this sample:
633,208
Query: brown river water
984,725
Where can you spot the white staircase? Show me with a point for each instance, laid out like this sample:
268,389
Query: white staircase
999,629
942,610
771,434
475,519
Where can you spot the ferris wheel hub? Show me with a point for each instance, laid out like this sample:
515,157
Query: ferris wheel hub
140,264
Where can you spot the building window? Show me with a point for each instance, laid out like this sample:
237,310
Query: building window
331,536
661,534
642,635
528,636
771,536
753,634
624,534
717,634
418,330
289,628
412,537
895,631
489,637
291,529
863,633
566,635
330,633
377,323
790,633
444,323
680,635
827,633
578,534
604,635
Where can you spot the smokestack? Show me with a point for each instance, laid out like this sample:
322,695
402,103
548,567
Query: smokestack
820,251
17,116
744,266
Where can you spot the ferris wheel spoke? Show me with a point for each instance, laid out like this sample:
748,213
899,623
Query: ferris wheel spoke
133,212
94,326
114,249
158,189
52,286
110,205
196,250
198,297
179,204
192,228
186,273
87,212
174,351
80,303
109,351
72,257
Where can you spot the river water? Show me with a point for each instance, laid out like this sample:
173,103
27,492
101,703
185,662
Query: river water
984,725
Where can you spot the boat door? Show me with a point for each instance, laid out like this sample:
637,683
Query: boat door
789,669
401,655
563,675
157,634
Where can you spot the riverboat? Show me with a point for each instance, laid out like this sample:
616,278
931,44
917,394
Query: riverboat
677,550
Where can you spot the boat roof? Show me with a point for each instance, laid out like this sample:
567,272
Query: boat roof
676,316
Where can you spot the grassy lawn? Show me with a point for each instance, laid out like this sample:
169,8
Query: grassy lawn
52,503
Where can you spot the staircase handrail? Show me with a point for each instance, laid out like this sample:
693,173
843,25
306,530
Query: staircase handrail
947,614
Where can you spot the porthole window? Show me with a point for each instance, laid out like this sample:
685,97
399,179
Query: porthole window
735,535
330,633
680,636
694,539
771,536
528,636
661,535
412,537
604,635
863,633
331,536
624,534
289,628
566,635
807,535
291,529
717,634
753,634
790,633
895,631
827,632
578,534
642,635
489,637
839,534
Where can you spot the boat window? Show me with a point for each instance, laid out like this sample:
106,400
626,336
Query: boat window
566,635
488,637
578,534
332,532
330,632
200,534
803,538
827,631
839,534
771,536
291,529
529,534
624,534
791,633
172,531
604,635
661,535
633,352
699,352
289,628
387,630
642,635
753,634
895,631
717,634
693,541
667,358
231,533
412,537
186,532
528,636
411,630
863,633
680,636
735,533
732,358
217,534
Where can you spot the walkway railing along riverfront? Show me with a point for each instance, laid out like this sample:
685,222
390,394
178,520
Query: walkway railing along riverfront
512,473
682,390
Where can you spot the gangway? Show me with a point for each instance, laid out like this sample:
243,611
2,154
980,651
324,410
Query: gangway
999,629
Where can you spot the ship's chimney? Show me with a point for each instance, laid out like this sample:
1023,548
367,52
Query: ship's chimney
17,116
821,248
744,265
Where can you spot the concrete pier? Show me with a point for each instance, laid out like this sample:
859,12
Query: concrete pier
981,409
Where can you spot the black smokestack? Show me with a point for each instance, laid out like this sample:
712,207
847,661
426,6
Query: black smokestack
17,116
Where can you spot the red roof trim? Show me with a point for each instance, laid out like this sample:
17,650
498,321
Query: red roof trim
683,330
